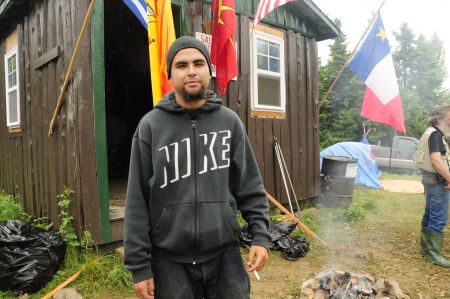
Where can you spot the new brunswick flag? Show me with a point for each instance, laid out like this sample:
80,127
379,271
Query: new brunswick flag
161,34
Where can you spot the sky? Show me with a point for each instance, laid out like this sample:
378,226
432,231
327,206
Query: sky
424,17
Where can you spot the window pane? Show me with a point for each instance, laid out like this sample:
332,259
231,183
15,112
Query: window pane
269,91
11,63
274,50
12,80
274,65
262,47
13,112
407,144
263,63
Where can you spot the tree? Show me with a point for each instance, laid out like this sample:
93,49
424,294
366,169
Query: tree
421,72
339,114
404,56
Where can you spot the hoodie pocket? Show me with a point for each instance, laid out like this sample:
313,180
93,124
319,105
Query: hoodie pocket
218,226
173,230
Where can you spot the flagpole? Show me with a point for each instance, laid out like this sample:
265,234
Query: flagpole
344,66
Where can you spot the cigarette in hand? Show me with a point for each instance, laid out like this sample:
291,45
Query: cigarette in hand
257,275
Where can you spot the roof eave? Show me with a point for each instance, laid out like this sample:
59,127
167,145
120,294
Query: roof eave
335,32
325,27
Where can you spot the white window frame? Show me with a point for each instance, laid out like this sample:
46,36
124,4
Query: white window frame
11,53
256,72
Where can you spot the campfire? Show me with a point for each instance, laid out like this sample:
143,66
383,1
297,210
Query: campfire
344,285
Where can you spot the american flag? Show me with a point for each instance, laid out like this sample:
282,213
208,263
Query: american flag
139,8
266,6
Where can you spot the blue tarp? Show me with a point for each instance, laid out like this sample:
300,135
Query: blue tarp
368,174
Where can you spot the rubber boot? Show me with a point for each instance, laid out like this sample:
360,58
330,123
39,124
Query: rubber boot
423,242
434,244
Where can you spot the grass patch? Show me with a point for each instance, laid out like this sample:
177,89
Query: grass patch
394,176
318,218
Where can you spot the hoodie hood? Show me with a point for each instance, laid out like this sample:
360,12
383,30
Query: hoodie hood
169,104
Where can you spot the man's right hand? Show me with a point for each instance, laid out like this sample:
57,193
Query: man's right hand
145,289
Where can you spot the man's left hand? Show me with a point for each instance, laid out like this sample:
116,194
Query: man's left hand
447,186
257,258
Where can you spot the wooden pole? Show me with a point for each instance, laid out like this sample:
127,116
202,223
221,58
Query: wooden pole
69,71
70,279
344,66
304,227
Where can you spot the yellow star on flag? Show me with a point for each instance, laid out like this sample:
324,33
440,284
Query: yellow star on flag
382,34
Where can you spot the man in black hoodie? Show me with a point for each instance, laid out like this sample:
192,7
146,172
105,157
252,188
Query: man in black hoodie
191,169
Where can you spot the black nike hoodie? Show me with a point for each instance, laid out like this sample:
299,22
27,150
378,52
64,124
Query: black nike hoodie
190,171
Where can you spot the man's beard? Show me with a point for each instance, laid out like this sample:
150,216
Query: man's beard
191,97
446,131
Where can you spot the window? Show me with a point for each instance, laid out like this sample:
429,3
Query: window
407,144
268,85
12,88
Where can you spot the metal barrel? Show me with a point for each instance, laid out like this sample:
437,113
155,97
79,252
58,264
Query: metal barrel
338,181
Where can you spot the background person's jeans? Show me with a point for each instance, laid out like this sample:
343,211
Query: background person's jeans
435,217
221,277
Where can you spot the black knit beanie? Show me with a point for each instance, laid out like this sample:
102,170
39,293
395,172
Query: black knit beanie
185,42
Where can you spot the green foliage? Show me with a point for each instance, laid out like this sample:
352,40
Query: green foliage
309,218
66,230
367,204
87,242
276,215
240,220
355,213
10,209
41,222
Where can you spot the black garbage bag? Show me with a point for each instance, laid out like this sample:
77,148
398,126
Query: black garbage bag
291,248
29,256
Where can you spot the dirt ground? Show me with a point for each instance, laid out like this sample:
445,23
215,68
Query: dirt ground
403,186
384,245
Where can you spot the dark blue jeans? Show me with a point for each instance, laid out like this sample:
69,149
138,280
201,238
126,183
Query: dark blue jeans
435,217
221,277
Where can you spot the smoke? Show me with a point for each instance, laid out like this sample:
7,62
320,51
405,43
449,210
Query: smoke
339,235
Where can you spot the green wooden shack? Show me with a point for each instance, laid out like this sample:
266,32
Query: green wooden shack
275,94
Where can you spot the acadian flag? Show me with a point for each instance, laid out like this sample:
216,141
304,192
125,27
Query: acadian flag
266,6
223,51
156,17
373,64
